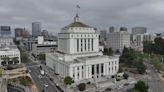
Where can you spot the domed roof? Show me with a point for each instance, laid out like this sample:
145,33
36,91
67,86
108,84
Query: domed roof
76,23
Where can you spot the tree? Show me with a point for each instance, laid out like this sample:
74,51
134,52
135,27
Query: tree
24,56
5,59
157,47
1,72
141,68
42,57
82,86
133,59
117,51
15,59
125,75
120,70
108,51
141,87
68,80
135,90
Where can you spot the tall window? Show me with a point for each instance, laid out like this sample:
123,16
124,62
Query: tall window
81,45
85,45
97,66
92,69
92,44
77,45
102,68
88,44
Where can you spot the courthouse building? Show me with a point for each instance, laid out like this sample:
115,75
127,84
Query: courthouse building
78,54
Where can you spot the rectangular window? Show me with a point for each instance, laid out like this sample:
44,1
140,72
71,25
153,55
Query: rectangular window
81,45
92,44
92,69
77,45
88,44
102,68
97,66
85,45
73,75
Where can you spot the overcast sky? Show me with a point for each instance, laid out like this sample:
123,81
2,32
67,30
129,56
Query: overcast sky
55,14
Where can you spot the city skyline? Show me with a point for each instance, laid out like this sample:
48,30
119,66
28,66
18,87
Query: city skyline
55,14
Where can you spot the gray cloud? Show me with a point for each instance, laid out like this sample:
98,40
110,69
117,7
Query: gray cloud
54,14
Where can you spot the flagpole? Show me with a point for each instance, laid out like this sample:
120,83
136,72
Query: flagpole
77,7
76,10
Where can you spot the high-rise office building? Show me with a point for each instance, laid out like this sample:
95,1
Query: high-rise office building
103,35
18,32
45,33
112,29
139,30
5,31
138,36
36,29
117,40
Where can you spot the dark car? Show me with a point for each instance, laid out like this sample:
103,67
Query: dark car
108,89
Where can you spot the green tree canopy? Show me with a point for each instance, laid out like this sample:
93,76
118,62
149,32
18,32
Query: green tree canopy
108,51
157,47
140,86
1,72
42,57
68,80
131,58
82,86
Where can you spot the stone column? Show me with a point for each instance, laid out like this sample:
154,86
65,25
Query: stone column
75,73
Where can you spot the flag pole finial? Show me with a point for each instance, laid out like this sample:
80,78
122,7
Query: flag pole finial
77,13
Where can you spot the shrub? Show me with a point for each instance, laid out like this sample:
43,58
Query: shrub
68,80
125,76
117,79
113,76
1,72
82,86
89,82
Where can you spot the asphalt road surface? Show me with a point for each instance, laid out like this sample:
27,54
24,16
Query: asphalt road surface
154,82
41,82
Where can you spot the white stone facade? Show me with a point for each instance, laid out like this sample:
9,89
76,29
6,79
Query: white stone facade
10,52
78,54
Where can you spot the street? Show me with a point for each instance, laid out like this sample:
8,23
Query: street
33,66
41,82
154,82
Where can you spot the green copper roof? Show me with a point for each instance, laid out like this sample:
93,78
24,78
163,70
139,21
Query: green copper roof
76,24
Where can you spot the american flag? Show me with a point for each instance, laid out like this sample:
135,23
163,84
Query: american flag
78,6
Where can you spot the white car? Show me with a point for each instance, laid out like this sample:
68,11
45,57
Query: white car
40,76
29,71
46,85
